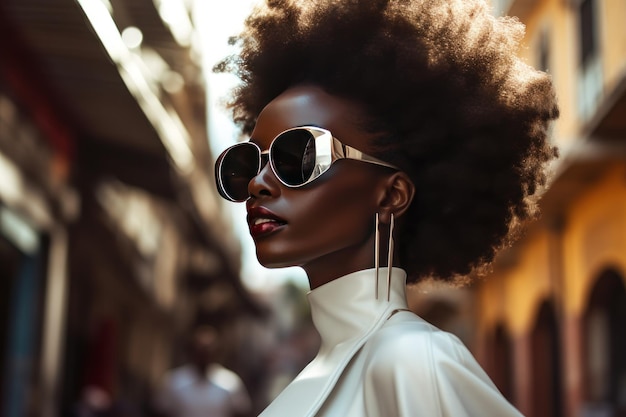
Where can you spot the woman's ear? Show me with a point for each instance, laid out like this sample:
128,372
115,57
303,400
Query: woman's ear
397,197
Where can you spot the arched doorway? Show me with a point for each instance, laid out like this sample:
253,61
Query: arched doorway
546,364
604,344
501,362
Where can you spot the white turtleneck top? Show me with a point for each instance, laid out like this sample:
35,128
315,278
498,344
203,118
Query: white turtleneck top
377,359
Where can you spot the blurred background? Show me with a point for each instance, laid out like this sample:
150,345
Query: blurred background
114,243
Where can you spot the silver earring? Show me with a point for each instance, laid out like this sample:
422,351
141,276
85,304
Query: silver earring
377,254
389,255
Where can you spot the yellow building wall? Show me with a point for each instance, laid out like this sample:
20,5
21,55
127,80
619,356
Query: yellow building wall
595,237
612,14
563,264
556,19
594,240
491,302
560,20
512,296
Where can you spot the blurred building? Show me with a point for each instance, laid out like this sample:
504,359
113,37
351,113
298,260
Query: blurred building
551,318
112,242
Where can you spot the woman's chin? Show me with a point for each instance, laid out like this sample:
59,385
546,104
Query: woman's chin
276,265
273,260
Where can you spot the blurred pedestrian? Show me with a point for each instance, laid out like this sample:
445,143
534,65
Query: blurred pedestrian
202,387
94,402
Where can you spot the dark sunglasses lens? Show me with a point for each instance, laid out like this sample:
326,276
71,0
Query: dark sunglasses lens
238,166
293,156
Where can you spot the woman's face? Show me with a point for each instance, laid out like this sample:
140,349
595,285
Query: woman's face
326,226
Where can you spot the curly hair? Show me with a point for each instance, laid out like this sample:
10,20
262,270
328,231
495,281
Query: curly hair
463,116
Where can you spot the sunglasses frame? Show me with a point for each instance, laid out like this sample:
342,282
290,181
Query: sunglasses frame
328,150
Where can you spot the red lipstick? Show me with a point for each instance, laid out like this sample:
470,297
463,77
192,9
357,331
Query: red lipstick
262,221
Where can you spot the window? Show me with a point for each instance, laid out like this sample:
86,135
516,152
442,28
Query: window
590,64
588,37
543,50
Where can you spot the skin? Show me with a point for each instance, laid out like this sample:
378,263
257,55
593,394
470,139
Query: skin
203,349
328,226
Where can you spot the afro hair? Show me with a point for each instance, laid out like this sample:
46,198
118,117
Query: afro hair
463,116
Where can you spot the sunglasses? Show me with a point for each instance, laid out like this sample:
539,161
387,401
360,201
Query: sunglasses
296,156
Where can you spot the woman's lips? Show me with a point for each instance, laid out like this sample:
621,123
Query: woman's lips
261,221
263,226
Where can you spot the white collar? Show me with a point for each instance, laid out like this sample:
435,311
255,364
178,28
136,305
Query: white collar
346,313
346,307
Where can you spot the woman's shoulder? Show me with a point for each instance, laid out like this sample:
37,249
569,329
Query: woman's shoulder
408,352
408,340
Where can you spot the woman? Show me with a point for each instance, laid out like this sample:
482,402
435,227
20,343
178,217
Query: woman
384,132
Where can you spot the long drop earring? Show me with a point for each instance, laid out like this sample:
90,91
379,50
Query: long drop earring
389,258
377,253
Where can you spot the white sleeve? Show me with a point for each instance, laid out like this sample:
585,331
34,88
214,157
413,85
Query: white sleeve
232,383
239,398
433,374
465,389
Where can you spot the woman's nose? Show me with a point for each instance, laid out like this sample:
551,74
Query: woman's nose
264,183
